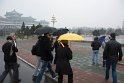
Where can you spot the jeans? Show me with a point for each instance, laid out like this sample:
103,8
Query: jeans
45,64
95,56
8,67
38,66
60,78
114,73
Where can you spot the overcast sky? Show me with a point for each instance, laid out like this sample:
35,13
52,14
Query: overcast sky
70,13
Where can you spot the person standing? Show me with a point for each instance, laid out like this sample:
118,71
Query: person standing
10,60
63,67
56,45
112,54
95,47
103,46
45,52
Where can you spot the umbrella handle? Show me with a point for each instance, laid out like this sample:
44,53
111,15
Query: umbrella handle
62,44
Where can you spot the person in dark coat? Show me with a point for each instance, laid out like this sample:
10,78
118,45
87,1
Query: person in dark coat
56,45
63,67
103,46
39,61
10,60
46,57
95,47
112,54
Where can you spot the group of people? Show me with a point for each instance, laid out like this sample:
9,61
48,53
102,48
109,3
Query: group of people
111,55
63,54
44,46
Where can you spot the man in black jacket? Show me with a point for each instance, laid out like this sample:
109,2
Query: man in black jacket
95,47
46,57
112,54
10,60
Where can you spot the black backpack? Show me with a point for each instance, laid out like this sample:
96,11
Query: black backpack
34,50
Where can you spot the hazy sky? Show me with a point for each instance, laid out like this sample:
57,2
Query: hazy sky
70,13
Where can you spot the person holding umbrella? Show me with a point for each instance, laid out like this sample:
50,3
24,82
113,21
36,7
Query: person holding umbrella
63,67
56,45
64,55
103,46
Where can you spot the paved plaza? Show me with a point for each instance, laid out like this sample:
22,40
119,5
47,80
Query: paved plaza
84,72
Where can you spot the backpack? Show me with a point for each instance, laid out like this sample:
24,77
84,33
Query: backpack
34,50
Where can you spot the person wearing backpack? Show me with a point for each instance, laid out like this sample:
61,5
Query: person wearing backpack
95,47
112,54
36,51
10,60
46,57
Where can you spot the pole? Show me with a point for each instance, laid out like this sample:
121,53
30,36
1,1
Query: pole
53,20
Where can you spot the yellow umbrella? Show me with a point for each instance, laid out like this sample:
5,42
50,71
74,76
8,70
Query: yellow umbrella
71,37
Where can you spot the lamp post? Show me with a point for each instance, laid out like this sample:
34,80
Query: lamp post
53,20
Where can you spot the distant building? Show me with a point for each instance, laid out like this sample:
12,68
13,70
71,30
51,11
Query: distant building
14,19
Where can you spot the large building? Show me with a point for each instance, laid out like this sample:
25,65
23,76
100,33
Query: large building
14,19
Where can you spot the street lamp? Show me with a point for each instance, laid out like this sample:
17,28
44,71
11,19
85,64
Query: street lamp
53,20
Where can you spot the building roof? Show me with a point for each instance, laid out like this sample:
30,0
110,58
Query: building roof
14,17
13,14
2,18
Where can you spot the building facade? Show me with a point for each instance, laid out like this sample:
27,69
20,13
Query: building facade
14,20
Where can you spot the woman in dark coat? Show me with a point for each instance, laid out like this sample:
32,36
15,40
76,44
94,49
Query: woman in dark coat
63,67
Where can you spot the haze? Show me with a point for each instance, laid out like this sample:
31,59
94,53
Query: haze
70,13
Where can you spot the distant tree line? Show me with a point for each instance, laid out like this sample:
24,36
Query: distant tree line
27,31
97,31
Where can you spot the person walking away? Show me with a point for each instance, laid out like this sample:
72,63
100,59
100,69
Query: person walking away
63,67
103,46
95,47
45,52
10,60
55,45
39,61
112,54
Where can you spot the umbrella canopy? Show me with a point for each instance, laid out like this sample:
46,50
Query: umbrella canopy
71,37
101,39
60,32
41,31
